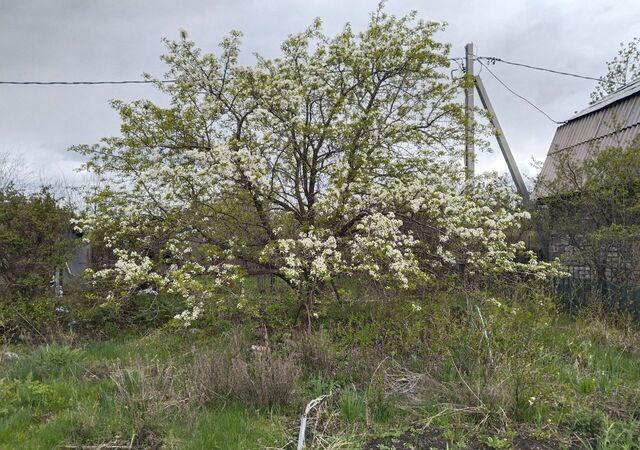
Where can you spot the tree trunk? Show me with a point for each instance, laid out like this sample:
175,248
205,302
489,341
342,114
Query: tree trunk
306,302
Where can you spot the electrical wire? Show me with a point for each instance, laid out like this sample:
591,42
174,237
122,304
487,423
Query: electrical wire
458,60
518,95
493,59
76,83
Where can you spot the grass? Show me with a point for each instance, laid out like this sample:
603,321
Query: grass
233,427
475,370
55,395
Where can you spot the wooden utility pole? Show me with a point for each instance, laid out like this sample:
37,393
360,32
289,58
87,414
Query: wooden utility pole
502,141
469,145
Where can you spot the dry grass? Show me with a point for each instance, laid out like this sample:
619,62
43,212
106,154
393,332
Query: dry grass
315,351
265,378
150,394
257,376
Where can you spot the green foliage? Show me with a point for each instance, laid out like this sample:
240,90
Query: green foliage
49,361
27,316
337,158
380,406
623,69
353,405
594,205
497,442
33,241
37,397
233,427
488,367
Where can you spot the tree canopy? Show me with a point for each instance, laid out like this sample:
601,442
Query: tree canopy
34,240
341,156
621,70
594,205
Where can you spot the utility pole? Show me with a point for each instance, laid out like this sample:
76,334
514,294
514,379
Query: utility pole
502,141
469,144
471,82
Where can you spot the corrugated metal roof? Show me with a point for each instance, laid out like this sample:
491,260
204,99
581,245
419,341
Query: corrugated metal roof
621,93
612,122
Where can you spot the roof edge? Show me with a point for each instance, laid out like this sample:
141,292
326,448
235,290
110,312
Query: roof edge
625,91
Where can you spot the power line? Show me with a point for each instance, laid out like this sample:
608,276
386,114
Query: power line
489,59
493,59
77,83
109,82
518,95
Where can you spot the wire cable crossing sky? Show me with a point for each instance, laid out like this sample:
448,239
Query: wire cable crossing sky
518,95
494,59
64,62
83,83
489,59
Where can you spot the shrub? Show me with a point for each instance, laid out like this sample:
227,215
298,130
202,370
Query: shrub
26,318
38,397
33,241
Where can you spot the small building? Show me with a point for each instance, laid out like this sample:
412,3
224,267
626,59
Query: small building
612,122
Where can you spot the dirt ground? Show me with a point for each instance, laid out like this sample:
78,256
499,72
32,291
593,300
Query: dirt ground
433,439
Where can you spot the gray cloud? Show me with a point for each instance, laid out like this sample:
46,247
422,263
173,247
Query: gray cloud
106,39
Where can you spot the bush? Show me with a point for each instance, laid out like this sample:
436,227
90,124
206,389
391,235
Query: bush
32,394
27,318
34,239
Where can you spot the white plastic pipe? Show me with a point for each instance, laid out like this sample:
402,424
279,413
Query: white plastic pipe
303,419
303,426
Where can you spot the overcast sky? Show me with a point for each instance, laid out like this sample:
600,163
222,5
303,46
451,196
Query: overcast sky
46,40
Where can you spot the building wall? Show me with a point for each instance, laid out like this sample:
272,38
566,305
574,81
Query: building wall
620,261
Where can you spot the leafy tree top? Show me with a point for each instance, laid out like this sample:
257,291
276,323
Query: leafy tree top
621,70
338,157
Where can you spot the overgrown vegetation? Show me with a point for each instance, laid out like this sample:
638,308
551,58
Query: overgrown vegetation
339,158
476,368
296,238
34,239
592,208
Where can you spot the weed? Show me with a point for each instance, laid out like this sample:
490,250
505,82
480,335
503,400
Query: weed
149,395
49,361
265,379
37,397
497,442
315,351
352,405
262,378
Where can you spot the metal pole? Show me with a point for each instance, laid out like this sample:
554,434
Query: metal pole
502,141
469,105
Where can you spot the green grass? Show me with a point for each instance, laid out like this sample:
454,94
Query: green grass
352,405
232,427
519,366
55,395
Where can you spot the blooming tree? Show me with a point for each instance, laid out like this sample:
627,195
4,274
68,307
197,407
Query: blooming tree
623,69
338,157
